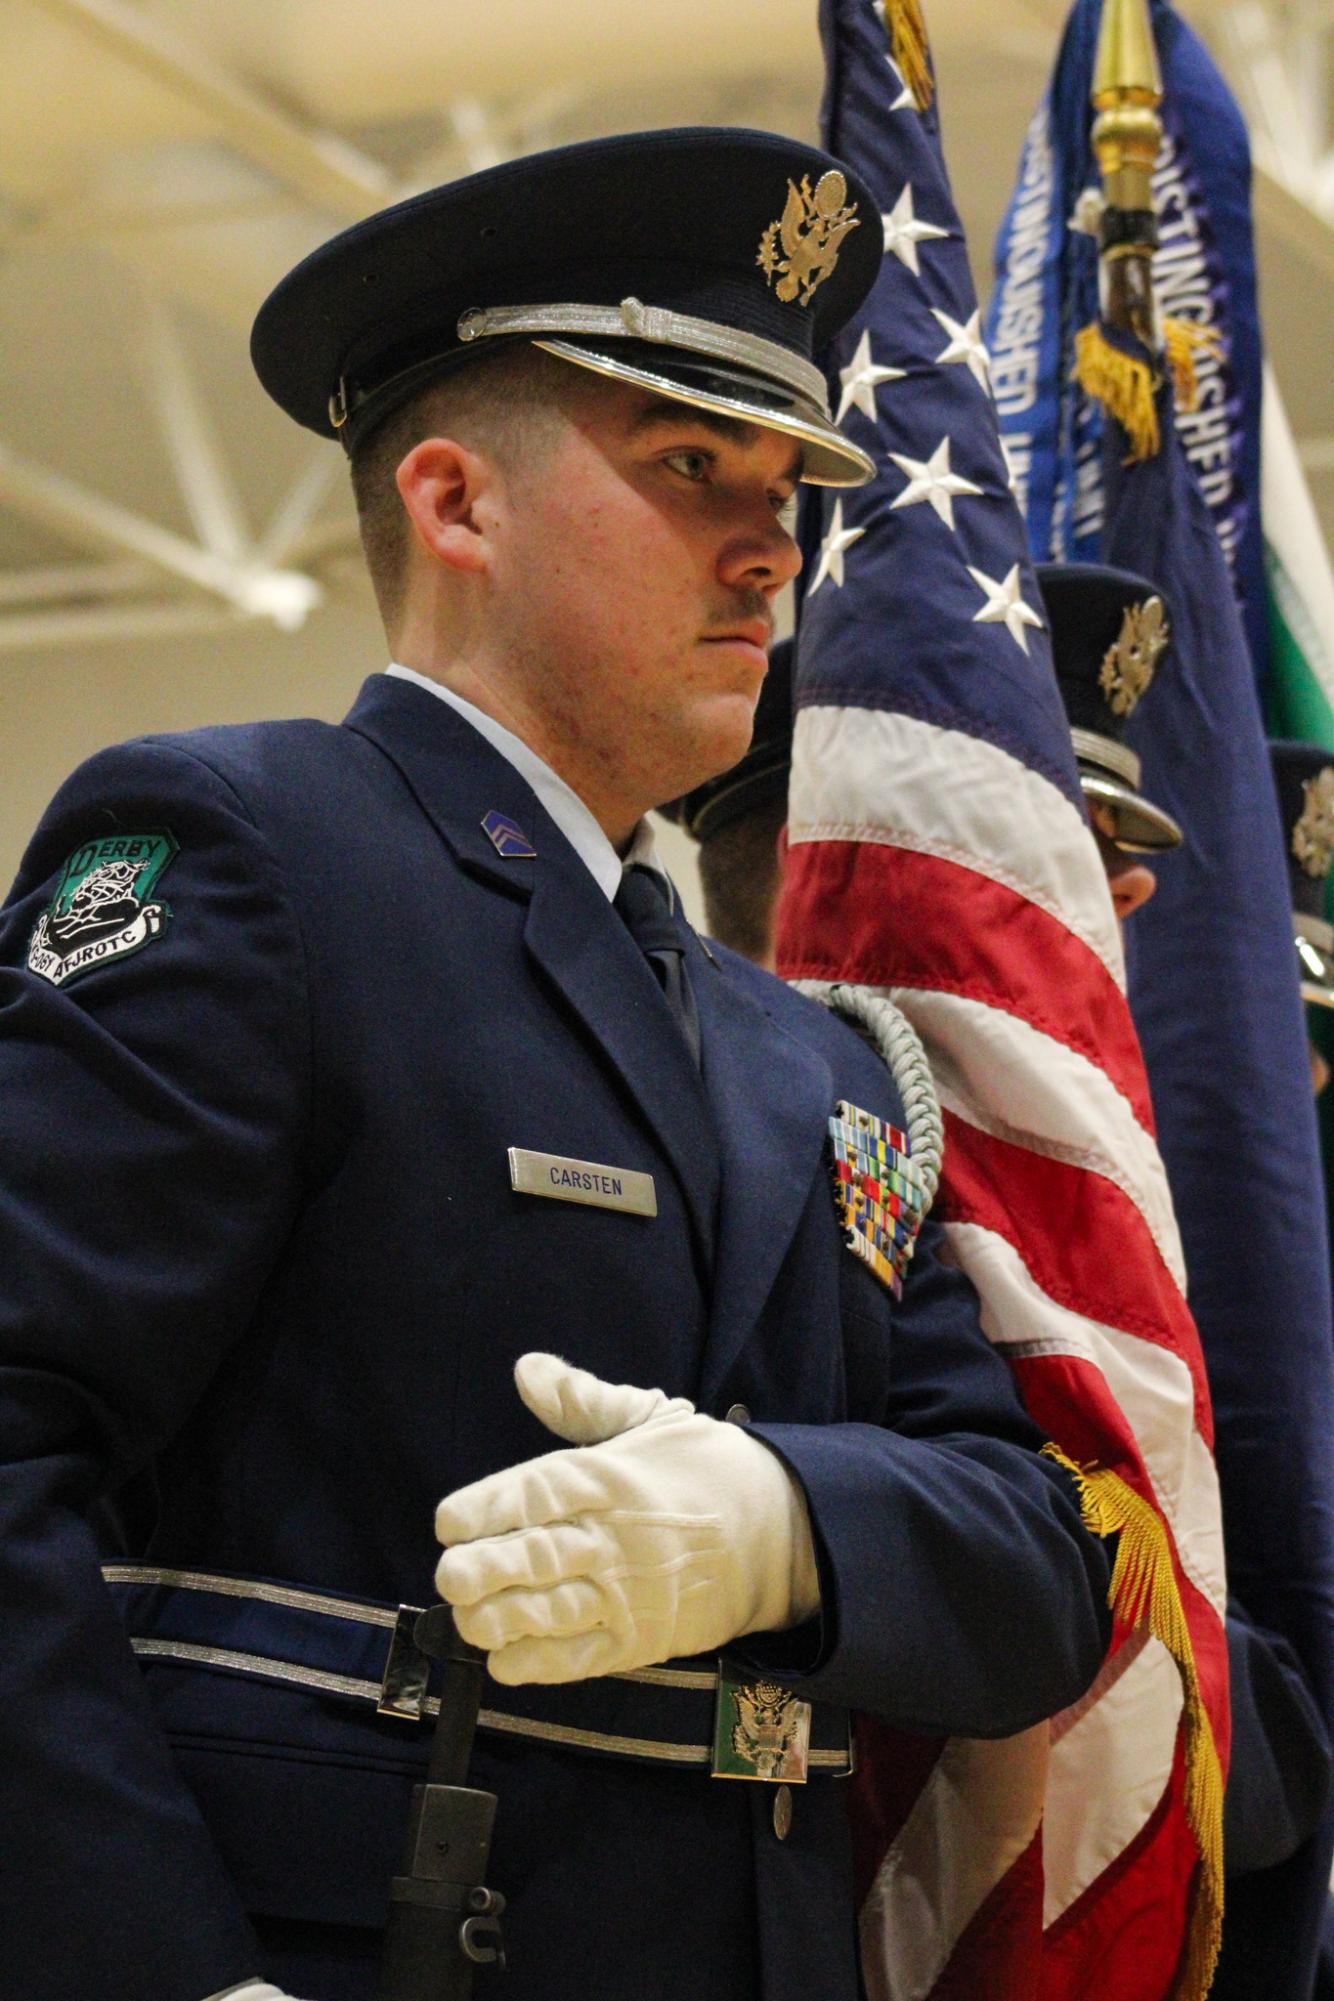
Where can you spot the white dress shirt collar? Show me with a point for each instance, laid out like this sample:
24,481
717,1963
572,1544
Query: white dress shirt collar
564,805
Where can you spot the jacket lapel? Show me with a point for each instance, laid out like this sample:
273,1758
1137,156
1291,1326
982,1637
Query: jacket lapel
571,931
771,1099
583,947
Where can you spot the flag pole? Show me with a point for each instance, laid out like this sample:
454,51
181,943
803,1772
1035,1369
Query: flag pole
1117,358
1127,133
1121,361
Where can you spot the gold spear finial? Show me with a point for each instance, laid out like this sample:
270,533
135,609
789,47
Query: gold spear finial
1127,91
1127,133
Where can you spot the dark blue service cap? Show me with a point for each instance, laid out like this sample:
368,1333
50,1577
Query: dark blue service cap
762,773
1109,629
710,265
1304,782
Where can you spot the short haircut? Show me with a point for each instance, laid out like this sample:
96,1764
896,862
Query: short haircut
504,404
738,872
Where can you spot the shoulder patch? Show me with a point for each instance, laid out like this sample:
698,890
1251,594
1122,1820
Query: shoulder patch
878,1191
103,907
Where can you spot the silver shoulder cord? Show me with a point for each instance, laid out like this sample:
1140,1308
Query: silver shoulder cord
897,1043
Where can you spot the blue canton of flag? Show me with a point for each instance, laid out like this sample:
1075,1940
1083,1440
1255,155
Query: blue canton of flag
944,592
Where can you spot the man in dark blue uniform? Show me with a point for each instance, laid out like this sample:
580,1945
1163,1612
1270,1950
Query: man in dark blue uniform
1109,631
353,1077
1109,628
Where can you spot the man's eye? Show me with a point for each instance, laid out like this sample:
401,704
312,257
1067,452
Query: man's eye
690,464
785,507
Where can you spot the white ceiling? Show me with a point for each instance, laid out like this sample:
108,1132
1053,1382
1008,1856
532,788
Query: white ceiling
162,162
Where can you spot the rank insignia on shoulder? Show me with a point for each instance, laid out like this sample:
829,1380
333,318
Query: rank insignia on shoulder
507,837
878,1190
103,907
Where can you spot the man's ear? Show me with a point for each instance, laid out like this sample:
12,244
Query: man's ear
440,483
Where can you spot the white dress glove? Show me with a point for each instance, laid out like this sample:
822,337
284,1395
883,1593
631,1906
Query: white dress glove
666,1533
251,1990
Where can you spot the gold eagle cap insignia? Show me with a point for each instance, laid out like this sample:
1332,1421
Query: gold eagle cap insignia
810,234
1313,835
1130,663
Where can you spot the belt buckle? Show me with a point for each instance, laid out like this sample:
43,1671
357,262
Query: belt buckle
761,1731
407,1670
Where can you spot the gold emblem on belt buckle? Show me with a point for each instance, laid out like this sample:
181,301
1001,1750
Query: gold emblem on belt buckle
761,1732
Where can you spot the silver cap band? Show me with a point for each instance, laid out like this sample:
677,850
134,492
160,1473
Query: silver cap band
632,320
1105,750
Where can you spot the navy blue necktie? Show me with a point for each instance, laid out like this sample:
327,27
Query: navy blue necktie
644,903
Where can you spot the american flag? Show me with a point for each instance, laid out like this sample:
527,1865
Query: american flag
939,853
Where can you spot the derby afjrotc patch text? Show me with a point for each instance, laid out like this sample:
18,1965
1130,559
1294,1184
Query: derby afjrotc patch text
102,908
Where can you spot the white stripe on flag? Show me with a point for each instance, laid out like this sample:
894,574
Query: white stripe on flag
1018,1084
1152,1386
1128,1737
973,1819
872,775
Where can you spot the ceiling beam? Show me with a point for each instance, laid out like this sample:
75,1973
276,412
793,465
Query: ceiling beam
92,522
23,632
292,517
190,435
317,165
1291,204
75,584
1269,64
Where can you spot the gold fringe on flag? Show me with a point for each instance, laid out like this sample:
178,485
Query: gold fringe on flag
1183,341
1144,1593
1124,384
912,51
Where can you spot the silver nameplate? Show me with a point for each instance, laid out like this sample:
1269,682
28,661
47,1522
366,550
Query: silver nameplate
581,1181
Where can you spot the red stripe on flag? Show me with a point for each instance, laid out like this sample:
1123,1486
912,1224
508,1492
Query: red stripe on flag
1124,1935
1070,1400
1081,1237
999,1952
891,917
891,1768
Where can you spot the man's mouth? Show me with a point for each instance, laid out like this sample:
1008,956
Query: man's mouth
751,632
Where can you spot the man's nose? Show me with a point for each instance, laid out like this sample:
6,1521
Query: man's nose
762,558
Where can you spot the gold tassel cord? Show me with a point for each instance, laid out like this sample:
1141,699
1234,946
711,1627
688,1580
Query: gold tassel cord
1144,1594
1124,385
912,52
1184,341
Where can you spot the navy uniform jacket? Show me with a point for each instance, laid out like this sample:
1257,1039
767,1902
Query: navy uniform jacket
263,1283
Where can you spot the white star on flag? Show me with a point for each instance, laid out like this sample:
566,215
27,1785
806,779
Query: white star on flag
1005,606
967,346
931,479
903,232
860,379
832,549
905,101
